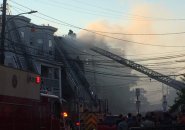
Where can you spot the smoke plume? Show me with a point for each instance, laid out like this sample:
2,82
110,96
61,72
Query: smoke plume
147,21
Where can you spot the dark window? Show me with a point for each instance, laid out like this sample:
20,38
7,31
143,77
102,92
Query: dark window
40,41
50,44
44,71
50,52
56,74
31,41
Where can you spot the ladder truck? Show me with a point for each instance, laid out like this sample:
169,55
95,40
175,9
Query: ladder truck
142,69
22,106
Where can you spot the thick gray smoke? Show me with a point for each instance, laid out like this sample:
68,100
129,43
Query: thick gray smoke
119,90
109,79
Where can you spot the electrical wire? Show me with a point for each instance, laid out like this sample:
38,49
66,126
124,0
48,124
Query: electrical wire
172,56
104,73
136,76
169,57
89,61
110,61
93,32
127,75
76,9
118,33
126,13
118,67
157,34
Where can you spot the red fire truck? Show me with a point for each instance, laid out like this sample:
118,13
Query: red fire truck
22,106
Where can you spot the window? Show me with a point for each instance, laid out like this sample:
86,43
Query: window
31,41
50,43
22,34
39,41
56,73
44,71
50,52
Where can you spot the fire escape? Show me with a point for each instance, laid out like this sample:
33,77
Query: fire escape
74,74
22,58
25,56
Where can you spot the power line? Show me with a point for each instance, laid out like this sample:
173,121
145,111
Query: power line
118,67
97,72
119,33
157,61
155,58
40,17
110,61
80,10
130,55
140,59
128,76
118,12
144,59
102,12
136,76
93,32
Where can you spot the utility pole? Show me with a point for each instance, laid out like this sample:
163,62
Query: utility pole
2,56
137,101
164,104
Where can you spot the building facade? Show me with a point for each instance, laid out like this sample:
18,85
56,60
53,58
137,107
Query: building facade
34,48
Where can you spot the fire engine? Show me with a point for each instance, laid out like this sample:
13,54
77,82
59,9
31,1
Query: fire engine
22,106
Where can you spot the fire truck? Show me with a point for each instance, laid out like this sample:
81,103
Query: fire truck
22,106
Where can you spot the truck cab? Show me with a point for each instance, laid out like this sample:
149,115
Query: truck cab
22,106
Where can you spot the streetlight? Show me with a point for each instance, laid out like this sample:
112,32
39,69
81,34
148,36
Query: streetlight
30,12
4,22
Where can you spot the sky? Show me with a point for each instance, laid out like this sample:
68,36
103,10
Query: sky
120,16
82,12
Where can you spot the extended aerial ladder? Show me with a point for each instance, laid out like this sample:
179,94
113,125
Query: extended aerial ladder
149,72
